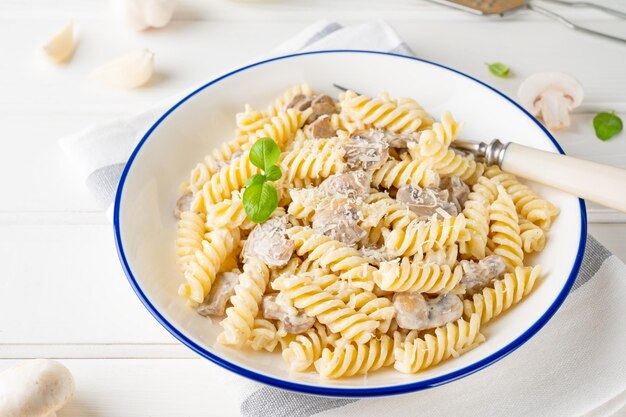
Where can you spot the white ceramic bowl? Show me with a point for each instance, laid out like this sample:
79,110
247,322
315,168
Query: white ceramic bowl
145,226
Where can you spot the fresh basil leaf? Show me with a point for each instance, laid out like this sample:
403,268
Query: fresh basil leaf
498,69
256,179
607,125
260,201
264,153
273,173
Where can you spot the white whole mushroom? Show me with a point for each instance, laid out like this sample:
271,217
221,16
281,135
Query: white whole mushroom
144,14
551,95
35,388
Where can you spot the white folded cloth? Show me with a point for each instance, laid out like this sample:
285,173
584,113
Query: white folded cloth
573,367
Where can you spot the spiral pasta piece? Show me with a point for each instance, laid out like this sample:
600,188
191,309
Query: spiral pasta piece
212,163
282,127
328,310
504,230
411,104
334,255
453,339
407,171
377,308
189,235
506,292
317,159
422,236
307,348
239,320
444,160
476,212
202,270
304,203
533,237
280,104
404,275
250,120
221,186
380,113
527,203
263,336
228,213
356,359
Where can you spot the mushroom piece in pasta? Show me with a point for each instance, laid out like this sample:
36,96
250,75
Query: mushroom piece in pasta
268,241
426,202
366,150
416,312
339,220
294,320
322,128
477,275
353,185
183,204
458,191
223,288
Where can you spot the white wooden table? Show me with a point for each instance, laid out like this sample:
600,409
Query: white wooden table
62,292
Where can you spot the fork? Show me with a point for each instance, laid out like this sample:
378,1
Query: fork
602,184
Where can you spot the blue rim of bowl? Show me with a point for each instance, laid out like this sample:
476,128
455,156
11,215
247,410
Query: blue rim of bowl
337,391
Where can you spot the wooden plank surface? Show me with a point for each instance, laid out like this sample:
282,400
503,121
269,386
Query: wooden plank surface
62,291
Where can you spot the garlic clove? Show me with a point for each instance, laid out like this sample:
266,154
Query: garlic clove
143,14
131,70
61,45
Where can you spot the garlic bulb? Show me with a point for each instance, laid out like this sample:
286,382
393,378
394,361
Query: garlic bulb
61,45
143,14
131,70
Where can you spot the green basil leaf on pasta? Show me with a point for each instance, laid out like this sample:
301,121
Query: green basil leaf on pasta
607,125
260,201
273,173
256,179
498,69
264,153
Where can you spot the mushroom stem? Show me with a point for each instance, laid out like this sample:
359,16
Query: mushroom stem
555,107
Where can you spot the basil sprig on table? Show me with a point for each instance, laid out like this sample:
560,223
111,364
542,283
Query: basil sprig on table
607,125
498,69
260,198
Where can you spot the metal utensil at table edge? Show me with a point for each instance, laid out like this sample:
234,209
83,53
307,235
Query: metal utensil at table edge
502,7
602,184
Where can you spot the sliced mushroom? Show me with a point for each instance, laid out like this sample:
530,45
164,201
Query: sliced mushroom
366,149
477,275
183,204
458,191
321,105
269,242
551,95
426,202
339,220
294,320
354,185
322,128
397,140
223,288
416,312
300,102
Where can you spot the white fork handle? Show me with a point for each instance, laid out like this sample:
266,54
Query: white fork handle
602,184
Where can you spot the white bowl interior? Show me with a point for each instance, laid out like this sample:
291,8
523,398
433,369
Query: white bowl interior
147,225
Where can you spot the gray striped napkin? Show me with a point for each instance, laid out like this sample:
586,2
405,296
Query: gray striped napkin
573,367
